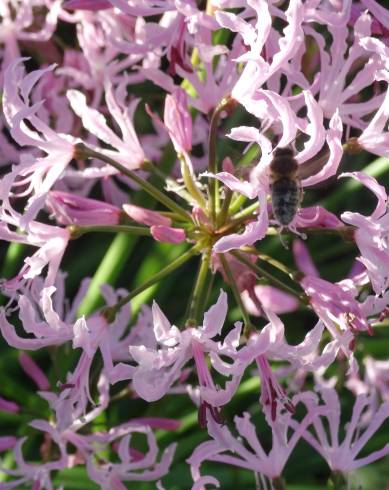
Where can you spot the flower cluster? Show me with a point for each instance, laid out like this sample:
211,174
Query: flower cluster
221,132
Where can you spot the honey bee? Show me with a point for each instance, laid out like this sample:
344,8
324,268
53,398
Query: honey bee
286,191
285,181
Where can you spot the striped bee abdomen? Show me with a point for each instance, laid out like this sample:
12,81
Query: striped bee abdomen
285,199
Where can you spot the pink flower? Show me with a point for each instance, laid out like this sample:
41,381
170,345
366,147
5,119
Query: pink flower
342,456
336,307
159,368
178,121
246,450
316,216
342,62
146,216
127,148
372,234
129,468
71,209
168,234
38,475
52,242
20,24
37,174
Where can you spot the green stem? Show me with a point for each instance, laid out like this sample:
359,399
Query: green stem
270,277
233,286
150,167
270,260
198,290
213,184
168,181
191,184
222,216
338,481
77,231
111,311
278,484
108,271
246,212
346,231
237,203
83,152
12,259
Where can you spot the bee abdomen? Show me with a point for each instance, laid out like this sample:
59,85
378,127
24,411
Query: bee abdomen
285,200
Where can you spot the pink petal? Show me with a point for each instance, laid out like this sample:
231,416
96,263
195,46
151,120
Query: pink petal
303,259
272,299
316,216
375,187
178,121
146,216
254,231
334,140
168,234
31,368
7,442
235,184
92,5
215,317
158,422
8,406
315,129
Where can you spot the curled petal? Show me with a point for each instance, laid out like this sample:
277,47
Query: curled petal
334,141
372,184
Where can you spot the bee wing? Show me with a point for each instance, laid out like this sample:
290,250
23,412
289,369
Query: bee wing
313,165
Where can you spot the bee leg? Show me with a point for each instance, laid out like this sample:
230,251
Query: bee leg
293,229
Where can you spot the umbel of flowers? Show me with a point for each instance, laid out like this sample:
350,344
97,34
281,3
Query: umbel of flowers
246,105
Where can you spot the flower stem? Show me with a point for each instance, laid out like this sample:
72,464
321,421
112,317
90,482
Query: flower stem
110,311
278,484
338,481
198,293
246,212
213,184
237,203
83,152
346,231
232,283
274,262
190,183
222,216
274,280
108,271
76,231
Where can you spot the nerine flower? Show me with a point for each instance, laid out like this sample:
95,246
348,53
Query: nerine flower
71,209
36,174
343,456
372,233
132,465
159,368
246,450
126,149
